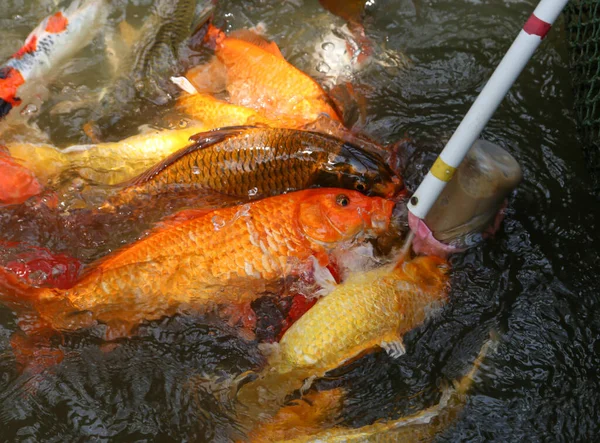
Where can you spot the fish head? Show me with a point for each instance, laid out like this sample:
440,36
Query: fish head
354,168
330,215
428,272
10,80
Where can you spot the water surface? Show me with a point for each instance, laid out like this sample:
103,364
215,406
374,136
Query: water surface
535,283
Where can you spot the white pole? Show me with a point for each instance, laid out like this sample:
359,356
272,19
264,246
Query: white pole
534,31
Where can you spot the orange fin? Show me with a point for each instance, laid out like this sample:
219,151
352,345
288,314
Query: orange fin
201,140
182,216
14,291
210,77
25,301
257,40
17,183
35,353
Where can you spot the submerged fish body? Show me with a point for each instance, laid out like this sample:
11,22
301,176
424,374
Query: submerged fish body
259,77
55,39
143,62
247,163
104,163
316,419
228,256
154,54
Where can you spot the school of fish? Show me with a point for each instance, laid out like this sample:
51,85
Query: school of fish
259,194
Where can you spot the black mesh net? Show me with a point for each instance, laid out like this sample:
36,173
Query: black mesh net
583,26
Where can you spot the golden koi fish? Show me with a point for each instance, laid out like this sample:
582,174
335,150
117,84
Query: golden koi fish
374,308
105,163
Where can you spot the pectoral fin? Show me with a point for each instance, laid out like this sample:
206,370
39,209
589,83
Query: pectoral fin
395,348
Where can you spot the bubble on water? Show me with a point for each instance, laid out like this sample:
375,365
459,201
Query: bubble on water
323,68
244,211
328,46
77,184
29,110
218,222
195,170
252,192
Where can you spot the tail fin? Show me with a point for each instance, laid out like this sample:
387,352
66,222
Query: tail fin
40,309
422,426
13,290
22,299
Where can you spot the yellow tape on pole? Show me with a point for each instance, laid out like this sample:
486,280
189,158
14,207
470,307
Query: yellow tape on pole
442,170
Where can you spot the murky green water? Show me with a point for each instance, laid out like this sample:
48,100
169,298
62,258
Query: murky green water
535,283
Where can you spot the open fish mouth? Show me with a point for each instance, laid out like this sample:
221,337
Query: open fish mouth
380,216
380,224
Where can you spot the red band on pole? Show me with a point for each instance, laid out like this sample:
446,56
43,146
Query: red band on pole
536,26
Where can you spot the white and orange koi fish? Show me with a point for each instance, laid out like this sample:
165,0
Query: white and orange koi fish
53,41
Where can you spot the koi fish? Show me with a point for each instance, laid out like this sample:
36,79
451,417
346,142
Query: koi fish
247,163
53,41
308,421
144,60
257,76
352,11
104,163
225,257
215,113
374,308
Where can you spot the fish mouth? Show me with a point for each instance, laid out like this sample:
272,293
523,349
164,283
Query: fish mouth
379,224
380,215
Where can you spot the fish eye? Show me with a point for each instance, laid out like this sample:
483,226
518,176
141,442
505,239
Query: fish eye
360,186
342,200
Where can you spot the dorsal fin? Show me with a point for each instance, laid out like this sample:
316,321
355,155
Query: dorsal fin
257,40
181,217
201,140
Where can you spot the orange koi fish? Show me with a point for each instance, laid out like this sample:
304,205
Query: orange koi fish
257,76
225,257
54,40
